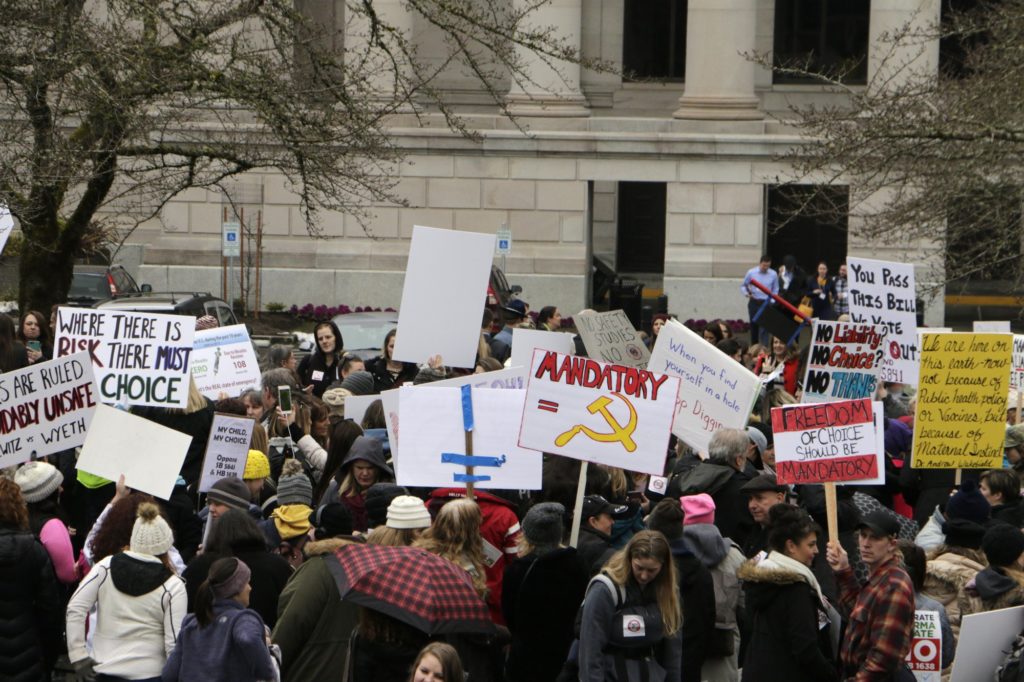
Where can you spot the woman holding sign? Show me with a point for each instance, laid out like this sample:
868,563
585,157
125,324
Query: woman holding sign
791,629
320,369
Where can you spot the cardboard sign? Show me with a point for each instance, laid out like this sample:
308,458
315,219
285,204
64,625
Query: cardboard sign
991,327
984,641
45,408
590,410
511,377
717,392
836,442
882,294
138,358
610,337
223,361
227,449
6,226
843,362
961,402
434,440
925,655
1017,362
148,454
443,296
525,341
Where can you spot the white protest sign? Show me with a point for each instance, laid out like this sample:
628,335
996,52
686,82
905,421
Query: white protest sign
356,406
138,358
843,362
148,454
608,414
984,640
1017,363
717,392
6,226
882,294
227,449
992,326
432,425
925,655
46,408
525,341
610,337
839,442
443,296
223,361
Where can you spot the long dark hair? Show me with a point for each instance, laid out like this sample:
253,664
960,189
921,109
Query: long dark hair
220,570
342,436
42,511
234,530
8,344
545,314
44,328
339,343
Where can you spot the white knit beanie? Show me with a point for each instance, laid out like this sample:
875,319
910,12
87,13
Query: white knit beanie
151,534
37,480
406,511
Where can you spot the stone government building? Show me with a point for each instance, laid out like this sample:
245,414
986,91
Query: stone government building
669,175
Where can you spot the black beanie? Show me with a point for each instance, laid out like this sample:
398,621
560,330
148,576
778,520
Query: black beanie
968,503
963,533
1003,544
378,499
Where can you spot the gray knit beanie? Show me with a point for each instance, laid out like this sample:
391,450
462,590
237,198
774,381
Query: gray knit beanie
294,487
543,525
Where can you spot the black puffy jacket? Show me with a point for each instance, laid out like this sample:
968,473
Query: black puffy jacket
31,615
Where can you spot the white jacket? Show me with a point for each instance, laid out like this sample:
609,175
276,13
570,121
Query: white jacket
134,634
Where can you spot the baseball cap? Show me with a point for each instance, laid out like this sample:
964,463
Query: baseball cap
763,483
880,522
1014,436
596,504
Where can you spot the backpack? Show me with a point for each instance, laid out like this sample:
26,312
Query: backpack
1012,668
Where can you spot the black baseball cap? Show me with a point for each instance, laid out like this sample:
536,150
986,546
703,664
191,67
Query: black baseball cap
596,504
880,522
763,483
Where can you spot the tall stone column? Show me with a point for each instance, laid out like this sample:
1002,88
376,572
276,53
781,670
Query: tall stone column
719,78
379,71
551,90
903,43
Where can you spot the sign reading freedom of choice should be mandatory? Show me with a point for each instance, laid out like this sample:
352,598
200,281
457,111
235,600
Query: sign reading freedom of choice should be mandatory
138,358
223,361
882,294
610,337
46,408
590,410
227,449
717,392
961,401
843,362
829,442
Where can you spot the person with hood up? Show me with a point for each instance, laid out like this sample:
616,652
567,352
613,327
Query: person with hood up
786,605
224,640
696,587
541,593
362,467
1000,585
286,529
140,606
595,541
957,561
723,558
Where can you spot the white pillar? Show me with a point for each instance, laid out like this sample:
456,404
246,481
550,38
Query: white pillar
903,44
719,77
377,67
550,89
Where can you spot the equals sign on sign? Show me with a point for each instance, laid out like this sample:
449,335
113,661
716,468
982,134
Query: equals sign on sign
547,405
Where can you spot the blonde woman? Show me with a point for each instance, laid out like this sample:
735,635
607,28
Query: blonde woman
455,536
631,628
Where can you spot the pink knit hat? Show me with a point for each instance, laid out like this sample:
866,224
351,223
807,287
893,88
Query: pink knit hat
698,509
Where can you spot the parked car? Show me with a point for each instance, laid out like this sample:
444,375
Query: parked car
499,292
92,284
363,333
195,304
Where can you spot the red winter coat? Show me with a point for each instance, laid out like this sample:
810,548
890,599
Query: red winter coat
499,528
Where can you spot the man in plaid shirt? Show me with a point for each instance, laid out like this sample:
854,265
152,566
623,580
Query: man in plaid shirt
880,615
841,291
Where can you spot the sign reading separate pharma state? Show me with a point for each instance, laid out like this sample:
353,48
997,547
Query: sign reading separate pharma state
138,358
45,408
593,411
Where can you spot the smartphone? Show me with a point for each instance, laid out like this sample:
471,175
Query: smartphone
635,495
34,345
284,398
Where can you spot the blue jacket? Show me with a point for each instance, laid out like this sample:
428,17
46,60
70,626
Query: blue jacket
232,648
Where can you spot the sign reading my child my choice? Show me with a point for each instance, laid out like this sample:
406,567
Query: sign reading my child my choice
138,358
589,410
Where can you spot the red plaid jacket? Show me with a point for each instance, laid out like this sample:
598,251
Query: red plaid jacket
880,622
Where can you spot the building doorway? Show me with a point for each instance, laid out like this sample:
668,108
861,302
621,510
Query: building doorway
808,222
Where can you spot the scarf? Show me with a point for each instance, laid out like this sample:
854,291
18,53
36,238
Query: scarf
291,520
779,560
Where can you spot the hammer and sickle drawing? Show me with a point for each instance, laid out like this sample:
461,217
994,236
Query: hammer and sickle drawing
619,434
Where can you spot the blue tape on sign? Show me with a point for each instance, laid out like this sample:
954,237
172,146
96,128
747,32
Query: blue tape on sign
466,478
472,460
467,408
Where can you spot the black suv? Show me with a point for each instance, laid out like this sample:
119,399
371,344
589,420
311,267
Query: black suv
92,284
195,304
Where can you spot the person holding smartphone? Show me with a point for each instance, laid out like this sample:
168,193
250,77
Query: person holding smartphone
34,334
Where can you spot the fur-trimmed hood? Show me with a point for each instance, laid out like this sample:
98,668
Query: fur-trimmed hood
764,584
753,572
328,545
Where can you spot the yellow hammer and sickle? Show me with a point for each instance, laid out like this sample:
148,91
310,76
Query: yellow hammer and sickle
620,434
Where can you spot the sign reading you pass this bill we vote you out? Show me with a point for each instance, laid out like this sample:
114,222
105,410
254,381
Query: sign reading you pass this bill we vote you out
593,411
